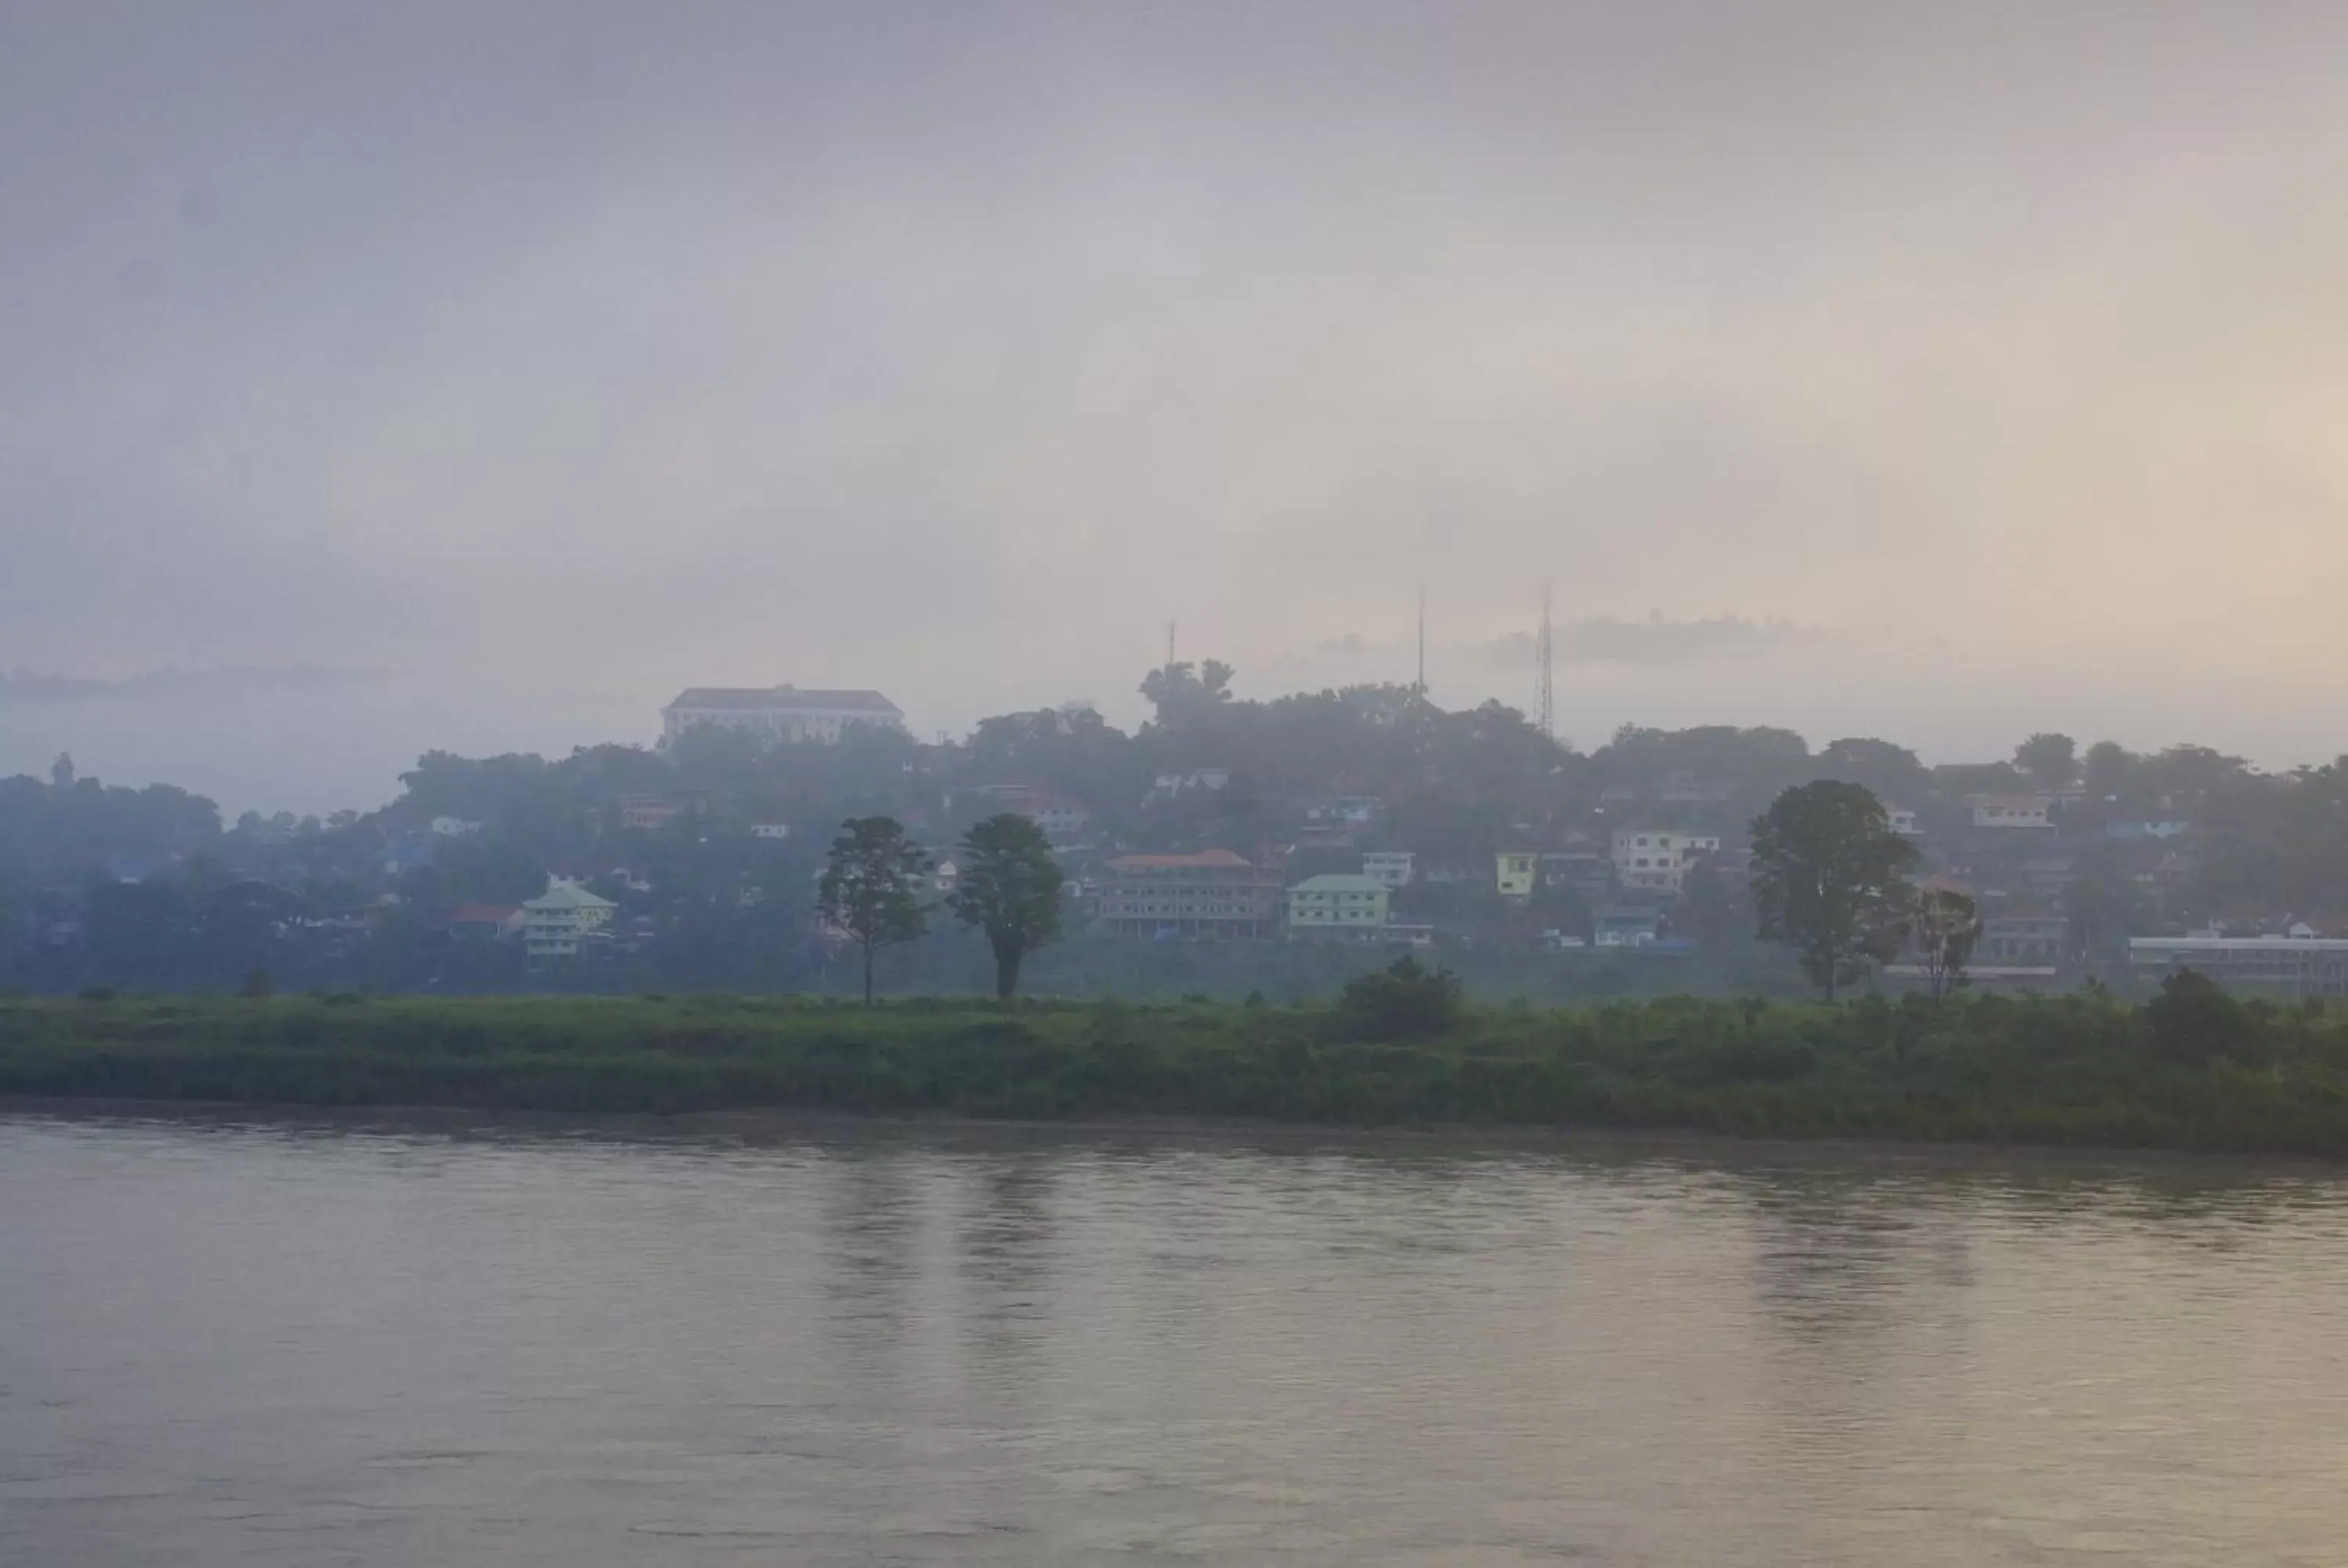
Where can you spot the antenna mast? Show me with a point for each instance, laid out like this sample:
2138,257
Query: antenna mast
1544,667
1170,649
1421,688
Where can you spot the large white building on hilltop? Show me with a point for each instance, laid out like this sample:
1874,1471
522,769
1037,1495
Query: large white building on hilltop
778,713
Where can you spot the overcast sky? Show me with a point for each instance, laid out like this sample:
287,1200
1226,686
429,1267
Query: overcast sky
1978,367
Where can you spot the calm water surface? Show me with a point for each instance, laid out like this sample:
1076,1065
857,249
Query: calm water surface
264,1345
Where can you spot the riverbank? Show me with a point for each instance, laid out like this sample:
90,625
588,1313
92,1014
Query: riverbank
2074,1071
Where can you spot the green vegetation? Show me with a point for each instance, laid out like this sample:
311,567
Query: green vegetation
867,887
1828,880
1010,888
2195,1069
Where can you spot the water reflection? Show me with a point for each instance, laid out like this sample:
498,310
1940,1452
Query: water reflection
292,1343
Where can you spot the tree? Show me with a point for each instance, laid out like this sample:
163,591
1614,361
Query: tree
1947,925
2111,769
2193,1020
2050,762
1184,690
868,887
1009,886
1405,1001
1891,771
1828,879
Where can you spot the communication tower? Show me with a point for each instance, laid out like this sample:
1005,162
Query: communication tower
1544,669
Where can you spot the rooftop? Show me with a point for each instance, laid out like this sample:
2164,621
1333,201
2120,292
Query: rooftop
568,896
782,699
2246,944
1223,859
1337,882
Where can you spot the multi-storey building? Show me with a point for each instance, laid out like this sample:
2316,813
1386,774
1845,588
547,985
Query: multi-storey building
2002,810
1357,905
1657,860
557,920
2302,965
1212,894
778,712
1515,873
2024,939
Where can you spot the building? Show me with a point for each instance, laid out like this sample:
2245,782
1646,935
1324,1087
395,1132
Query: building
1169,786
1681,787
2008,940
2302,965
557,920
1389,868
1583,871
484,922
1064,820
1061,820
1212,894
2050,877
2004,810
2133,832
1517,873
402,855
1348,810
770,830
1657,860
647,816
1335,903
778,713
456,826
1634,925
1903,821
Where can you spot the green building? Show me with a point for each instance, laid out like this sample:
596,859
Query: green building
1333,902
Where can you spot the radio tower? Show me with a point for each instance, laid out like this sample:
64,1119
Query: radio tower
1420,690
1544,665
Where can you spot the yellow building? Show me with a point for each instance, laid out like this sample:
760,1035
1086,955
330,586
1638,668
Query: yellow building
1333,902
1518,873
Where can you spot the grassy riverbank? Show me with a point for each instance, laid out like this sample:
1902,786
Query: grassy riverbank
2204,1073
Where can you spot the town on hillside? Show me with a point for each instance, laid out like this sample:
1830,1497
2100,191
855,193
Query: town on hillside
1227,845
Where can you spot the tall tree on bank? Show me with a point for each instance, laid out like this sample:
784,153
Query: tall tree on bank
2048,759
1008,885
869,886
1947,925
1828,880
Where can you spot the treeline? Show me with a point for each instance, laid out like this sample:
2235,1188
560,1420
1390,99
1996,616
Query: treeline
148,887
2193,1069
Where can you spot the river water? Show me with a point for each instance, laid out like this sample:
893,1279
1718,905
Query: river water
294,1343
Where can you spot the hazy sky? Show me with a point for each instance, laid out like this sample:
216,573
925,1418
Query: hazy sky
1983,362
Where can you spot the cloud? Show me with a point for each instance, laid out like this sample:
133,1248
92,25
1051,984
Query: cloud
742,344
1352,645
183,685
1655,641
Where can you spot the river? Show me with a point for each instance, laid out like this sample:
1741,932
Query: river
266,1343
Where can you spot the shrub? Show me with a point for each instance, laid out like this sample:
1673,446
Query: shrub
1405,1001
2193,1020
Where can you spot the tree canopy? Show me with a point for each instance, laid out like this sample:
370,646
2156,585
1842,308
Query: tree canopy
1008,885
1828,879
870,888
